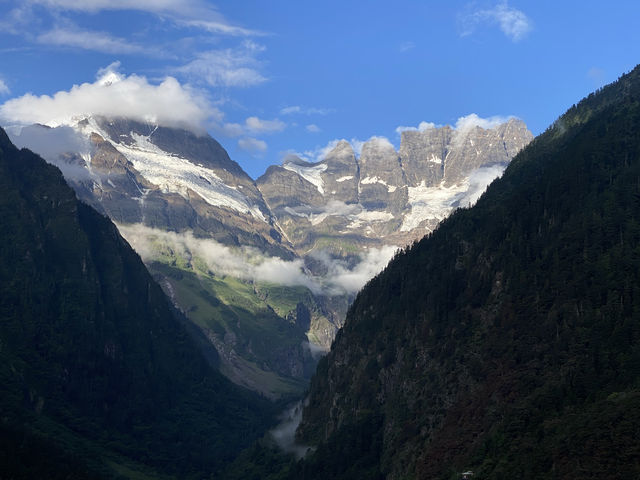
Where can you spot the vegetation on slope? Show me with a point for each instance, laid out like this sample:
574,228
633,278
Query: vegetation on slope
98,375
260,348
508,341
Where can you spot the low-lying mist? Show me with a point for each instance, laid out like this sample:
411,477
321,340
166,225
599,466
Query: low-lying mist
249,263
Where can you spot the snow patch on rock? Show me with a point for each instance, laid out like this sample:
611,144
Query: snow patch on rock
311,174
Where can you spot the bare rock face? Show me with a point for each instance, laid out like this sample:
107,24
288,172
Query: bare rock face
285,189
173,180
423,154
381,177
341,175
477,147
386,196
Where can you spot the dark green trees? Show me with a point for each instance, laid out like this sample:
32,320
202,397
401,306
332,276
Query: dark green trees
96,370
508,341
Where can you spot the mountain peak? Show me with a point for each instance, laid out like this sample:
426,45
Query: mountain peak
341,148
5,143
378,145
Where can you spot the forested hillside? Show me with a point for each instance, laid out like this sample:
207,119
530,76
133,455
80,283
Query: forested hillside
99,377
506,342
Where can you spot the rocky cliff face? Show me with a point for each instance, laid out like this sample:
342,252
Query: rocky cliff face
386,196
174,180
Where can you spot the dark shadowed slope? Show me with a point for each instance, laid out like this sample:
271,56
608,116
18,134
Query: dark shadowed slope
508,341
97,375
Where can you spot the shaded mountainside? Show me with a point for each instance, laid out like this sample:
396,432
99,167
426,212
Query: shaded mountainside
508,341
99,377
162,185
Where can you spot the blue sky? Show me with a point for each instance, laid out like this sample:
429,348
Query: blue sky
270,77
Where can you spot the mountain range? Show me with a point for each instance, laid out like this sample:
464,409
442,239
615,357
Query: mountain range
267,269
503,344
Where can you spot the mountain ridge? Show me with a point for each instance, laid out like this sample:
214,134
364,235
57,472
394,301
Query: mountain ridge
505,341
97,368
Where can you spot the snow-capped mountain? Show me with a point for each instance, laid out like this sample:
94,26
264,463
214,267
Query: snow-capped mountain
345,202
163,178
266,269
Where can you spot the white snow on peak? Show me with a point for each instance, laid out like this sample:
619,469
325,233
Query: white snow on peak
375,216
175,174
356,214
430,203
344,179
368,218
372,180
311,174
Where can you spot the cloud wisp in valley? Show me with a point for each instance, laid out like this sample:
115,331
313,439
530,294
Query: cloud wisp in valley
248,263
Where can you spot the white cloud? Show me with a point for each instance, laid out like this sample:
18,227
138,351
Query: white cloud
312,155
115,95
313,128
86,40
463,124
479,180
319,153
245,263
47,142
284,433
472,120
251,126
230,129
230,67
156,6
51,144
248,263
15,21
191,13
511,21
298,110
357,145
422,126
597,75
276,270
291,110
257,125
406,46
252,145
377,143
4,89
221,28
340,278
466,124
